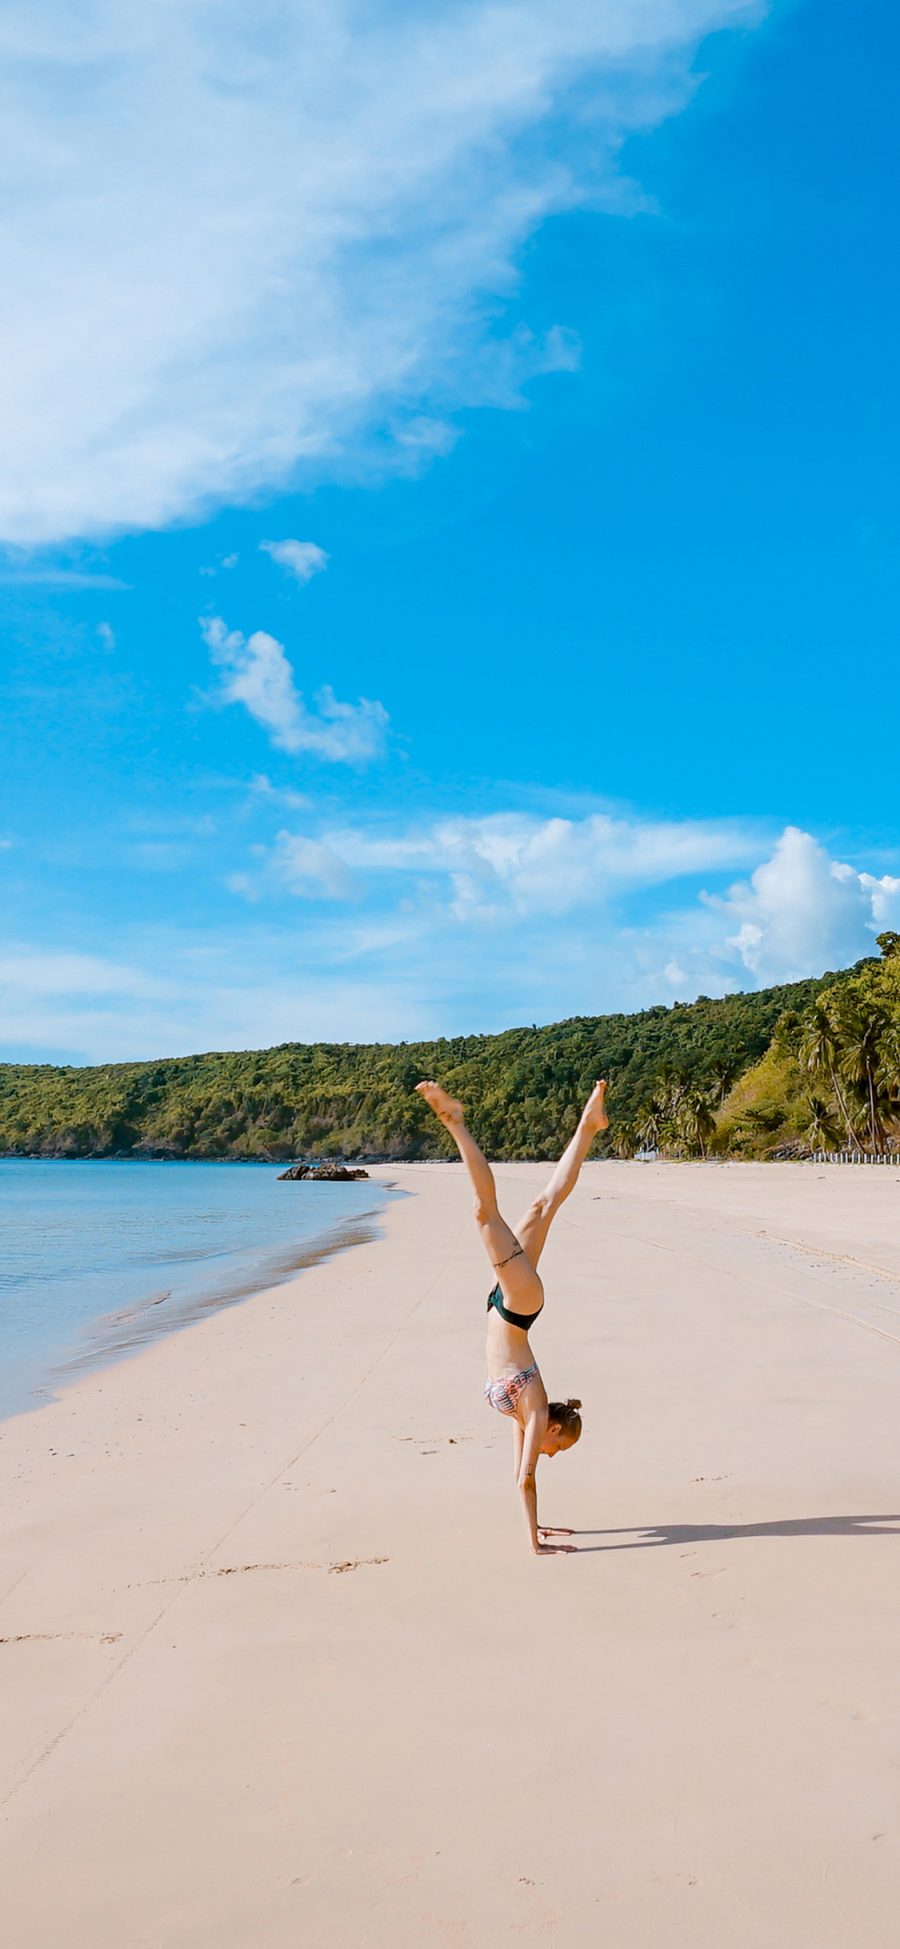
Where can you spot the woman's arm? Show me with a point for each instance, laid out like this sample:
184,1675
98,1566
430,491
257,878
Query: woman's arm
528,1448
535,1429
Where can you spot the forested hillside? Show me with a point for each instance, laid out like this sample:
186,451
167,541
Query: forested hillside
522,1089
830,1079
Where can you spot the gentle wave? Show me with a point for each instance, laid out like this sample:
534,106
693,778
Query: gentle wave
100,1257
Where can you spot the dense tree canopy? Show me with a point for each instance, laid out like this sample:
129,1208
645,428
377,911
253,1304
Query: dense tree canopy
523,1089
831,1078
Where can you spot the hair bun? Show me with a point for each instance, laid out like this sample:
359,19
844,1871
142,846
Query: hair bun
573,1404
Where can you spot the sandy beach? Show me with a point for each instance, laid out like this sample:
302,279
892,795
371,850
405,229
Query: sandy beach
279,1668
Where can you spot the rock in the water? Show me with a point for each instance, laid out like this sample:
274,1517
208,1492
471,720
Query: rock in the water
341,1173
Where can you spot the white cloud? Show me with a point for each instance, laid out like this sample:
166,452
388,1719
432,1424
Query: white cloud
239,244
308,866
107,635
534,918
302,559
197,992
244,884
256,673
516,862
404,963
799,913
885,897
262,788
27,972
58,578
803,912
423,439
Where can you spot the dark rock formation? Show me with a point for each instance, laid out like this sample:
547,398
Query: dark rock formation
340,1173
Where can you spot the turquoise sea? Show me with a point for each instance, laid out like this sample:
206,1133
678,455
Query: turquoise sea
99,1257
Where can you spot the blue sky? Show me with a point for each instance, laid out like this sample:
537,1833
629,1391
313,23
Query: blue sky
448,513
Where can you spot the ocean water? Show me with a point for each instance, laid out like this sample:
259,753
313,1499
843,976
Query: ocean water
97,1258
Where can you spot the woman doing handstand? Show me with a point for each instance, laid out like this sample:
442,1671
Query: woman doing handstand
514,1385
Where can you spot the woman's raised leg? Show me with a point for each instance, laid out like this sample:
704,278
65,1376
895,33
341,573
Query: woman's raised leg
535,1223
518,1280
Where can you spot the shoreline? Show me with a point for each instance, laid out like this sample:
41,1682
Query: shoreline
97,1350
269,1619
105,1338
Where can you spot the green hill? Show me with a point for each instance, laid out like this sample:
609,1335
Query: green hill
831,1077
522,1088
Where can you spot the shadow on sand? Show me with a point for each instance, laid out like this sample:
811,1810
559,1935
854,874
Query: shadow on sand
658,1536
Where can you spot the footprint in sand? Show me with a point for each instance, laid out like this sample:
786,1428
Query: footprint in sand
452,1441
59,1637
354,1563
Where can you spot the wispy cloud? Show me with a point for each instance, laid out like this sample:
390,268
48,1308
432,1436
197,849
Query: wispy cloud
32,972
513,918
423,439
194,991
308,866
255,672
408,963
58,578
239,246
302,559
517,862
262,787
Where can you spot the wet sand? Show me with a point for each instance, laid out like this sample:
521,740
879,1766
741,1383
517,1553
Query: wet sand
280,1669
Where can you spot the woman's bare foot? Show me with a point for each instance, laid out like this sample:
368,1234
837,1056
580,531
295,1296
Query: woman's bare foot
444,1106
594,1112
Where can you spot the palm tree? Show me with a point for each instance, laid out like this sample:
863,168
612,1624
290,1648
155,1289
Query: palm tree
695,1120
721,1077
649,1126
861,1025
818,1055
820,1130
887,1075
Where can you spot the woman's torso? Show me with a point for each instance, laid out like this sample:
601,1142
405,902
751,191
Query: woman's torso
508,1350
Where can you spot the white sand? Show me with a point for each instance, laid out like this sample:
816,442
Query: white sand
279,1669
